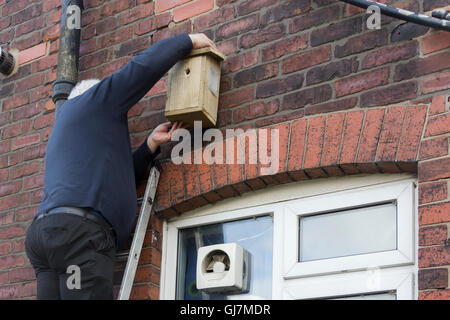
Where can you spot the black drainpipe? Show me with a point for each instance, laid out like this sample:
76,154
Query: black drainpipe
68,54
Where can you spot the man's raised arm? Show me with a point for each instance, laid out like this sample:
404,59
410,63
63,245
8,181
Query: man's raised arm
142,157
150,148
124,88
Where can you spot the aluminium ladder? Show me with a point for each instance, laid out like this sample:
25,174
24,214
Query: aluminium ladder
139,233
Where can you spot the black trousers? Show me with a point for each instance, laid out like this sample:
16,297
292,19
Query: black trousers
73,258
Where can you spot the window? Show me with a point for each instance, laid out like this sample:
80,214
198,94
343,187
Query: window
339,238
376,296
254,235
348,232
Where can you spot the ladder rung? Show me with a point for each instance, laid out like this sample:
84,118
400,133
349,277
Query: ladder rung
141,199
122,255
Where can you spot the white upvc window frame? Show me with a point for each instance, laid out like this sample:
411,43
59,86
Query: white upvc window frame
335,277
170,242
371,281
400,193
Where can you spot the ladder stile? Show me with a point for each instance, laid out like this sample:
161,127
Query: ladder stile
139,234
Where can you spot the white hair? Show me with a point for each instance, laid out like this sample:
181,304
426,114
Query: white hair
81,87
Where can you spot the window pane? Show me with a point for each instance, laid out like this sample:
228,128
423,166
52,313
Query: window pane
349,232
376,296
254,235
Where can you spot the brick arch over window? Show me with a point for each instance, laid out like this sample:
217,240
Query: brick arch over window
375,140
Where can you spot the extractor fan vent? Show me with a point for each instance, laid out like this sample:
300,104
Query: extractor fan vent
222,268
217,261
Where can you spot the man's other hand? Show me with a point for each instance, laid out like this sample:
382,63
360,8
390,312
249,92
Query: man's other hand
162,134
200,40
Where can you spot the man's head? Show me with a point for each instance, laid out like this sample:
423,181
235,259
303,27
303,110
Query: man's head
82,87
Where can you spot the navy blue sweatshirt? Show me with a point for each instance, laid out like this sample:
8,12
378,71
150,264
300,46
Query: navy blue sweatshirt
89,160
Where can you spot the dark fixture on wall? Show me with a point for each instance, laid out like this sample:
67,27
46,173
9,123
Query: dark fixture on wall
439,20
8,62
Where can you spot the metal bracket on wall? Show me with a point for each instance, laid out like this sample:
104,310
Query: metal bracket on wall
435,22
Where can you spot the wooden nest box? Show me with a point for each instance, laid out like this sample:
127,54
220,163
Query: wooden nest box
193,92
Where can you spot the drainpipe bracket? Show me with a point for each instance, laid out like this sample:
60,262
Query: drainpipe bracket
62,89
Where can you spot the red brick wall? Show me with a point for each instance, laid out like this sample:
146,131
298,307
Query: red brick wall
346,100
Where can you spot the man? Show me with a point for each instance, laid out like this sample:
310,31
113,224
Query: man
89,204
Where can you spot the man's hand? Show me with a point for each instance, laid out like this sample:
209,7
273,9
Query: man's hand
162,134
200,40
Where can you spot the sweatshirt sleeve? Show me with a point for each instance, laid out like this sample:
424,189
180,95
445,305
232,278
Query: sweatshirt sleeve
124,88
142,157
